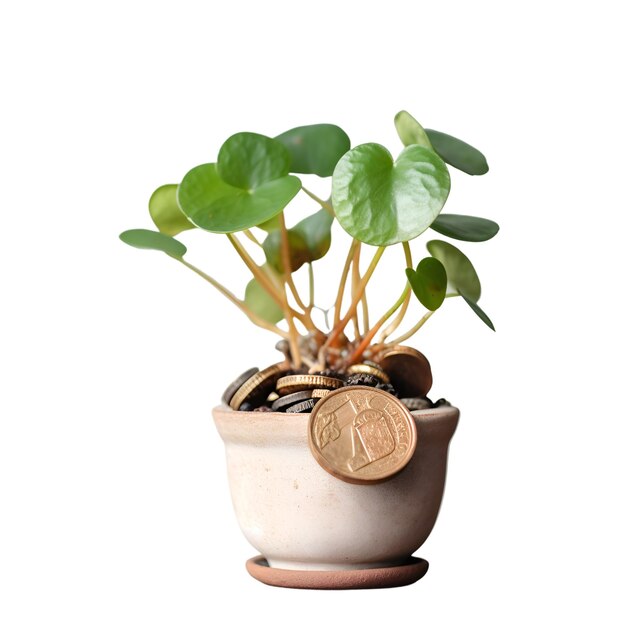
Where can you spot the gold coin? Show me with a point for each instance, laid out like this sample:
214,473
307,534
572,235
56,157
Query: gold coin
408,369
257,387
362,435
373,370
300,382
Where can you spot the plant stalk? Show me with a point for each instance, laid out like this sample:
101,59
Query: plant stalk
372,333
342,281
252,316
405,305
293,333
415,328
322,203
356,279
264,279
338,328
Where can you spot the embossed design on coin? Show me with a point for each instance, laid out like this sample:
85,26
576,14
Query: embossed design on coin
362,435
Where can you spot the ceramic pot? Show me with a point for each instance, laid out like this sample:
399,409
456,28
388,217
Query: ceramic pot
299,517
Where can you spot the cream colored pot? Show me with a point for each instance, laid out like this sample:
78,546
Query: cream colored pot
299,517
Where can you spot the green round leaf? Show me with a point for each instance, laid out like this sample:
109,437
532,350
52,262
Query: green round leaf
298,251
410,130
315,230
151,240
465,227
462,276
483,316
248,160
216,206
261,303
166,213
315,149
272,224
380,202
309,240
458,153
429,282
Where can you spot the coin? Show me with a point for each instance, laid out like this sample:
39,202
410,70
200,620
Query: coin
363,379
416,404
256,389
283,402
300,382
362,435
230,391
369,368
303,407
408,369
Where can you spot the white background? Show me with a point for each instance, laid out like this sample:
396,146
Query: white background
114,507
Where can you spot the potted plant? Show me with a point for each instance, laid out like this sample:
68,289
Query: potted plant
336,456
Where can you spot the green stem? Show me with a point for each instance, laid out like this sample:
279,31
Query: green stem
250,235
253,317
405,305
342,281
293,333
356,279
415,328
311,288
322,203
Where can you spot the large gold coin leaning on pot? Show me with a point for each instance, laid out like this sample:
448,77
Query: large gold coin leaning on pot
362,435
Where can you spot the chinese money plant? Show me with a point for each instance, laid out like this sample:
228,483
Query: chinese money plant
378,200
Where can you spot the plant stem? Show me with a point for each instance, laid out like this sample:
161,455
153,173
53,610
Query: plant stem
253,317
405,305
322,203
264,279
257,272
293,333
370,335
342,281
311,288
415,328
338,328
250,235
356,279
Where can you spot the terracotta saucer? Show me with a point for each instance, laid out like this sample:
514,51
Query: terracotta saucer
376,578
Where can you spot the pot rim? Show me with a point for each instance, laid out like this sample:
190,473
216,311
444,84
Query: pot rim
289,428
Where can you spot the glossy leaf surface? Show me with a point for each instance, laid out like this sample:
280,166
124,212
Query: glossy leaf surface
152,240
309,240
315,230
428,282
483,316
410,130
298,251
216,206
248,160
261,303
380,202
166,213
458,153
315,149
465,227
462,277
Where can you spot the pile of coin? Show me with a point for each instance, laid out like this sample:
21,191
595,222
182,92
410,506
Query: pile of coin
400,371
